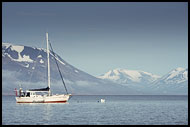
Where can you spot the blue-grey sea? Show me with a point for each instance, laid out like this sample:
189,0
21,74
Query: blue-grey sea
87,110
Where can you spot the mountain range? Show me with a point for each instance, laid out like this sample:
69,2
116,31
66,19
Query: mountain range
174,82
26,66
125,76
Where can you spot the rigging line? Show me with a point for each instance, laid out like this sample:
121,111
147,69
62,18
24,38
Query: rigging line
58,68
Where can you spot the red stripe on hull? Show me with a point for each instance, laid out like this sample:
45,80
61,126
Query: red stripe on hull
45,102
55,101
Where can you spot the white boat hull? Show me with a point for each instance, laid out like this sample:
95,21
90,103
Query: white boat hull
44,99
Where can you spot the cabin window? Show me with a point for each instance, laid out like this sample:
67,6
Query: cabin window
28,94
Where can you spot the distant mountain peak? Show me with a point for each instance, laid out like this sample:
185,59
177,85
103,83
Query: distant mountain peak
175,76
6,44
23,61
17,68
178,69
128,76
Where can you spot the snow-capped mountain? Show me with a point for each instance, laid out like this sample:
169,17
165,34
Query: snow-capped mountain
125,76
32,59
174,82
27,66
176,76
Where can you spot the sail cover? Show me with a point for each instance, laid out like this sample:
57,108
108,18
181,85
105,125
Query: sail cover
42,89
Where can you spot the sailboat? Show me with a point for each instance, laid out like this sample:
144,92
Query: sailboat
34,96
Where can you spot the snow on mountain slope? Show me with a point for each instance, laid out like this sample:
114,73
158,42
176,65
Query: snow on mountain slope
176,76
28,65
16,49
31,57
125,76
175,82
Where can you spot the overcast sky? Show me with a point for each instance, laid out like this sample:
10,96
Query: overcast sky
97,37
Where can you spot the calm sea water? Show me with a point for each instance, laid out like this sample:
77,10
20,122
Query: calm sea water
117,110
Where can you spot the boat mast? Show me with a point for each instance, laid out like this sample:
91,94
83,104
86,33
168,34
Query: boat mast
49,92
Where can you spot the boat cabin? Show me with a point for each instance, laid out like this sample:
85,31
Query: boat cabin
30,93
